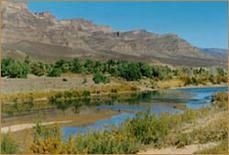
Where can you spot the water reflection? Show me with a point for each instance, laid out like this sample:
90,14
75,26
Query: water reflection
126,104
98,125
157,102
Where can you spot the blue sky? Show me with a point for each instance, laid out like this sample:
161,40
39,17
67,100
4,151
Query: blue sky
203,24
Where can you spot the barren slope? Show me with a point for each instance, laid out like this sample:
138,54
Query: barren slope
42,36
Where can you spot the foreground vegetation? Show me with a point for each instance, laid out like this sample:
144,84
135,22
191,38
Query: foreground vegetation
134,134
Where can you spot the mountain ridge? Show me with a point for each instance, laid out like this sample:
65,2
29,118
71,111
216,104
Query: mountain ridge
86,39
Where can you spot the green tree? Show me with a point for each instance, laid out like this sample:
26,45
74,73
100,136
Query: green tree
4,66
76,66
64,65
100,78
15,69
145,69
131,72
89,66
54,72
38,68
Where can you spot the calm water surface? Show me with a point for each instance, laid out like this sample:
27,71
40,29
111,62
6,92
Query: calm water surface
156,102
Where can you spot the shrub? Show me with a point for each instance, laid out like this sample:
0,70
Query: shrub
88,66
99,78
148,128
54,72
14,69
86,93
106,142
131,72
48,140
64,65
8,145
38,69
182,140
76,66
220,100
145,69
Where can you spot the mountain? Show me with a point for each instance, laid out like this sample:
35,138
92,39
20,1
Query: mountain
216,52
43,37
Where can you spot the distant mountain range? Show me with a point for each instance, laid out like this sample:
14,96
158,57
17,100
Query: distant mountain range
217,52
43,37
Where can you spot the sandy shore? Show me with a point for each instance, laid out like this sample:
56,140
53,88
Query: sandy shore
19,127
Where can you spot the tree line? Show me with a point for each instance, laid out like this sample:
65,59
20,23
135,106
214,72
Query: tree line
131,71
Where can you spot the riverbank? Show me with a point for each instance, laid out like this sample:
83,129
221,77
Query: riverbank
41,88
19,127
84,117
197,124
189,149
163,133
21,131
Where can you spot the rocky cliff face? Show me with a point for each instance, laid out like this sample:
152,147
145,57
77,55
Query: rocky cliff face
42,36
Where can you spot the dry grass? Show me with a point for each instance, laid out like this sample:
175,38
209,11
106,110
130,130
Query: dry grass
170,84
94,90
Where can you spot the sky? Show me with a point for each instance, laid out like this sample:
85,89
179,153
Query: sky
203,24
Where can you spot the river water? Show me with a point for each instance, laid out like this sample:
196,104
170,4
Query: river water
155,102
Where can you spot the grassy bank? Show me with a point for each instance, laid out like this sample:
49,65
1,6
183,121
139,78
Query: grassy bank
95,90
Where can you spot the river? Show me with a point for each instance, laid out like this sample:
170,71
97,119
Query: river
155,102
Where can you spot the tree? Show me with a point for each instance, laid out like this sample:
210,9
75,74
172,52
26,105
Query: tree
131,72
99,78
54,72
89,66
145,69
161,72
38,68
17,69
64,65
4,66
76,66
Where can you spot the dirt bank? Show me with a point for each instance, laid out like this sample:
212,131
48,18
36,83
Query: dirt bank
189,149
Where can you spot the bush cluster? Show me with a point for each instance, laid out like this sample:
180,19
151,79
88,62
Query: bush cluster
220,100
100,78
